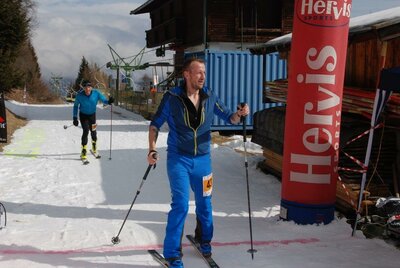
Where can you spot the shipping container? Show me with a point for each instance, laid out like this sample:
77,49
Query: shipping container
237,76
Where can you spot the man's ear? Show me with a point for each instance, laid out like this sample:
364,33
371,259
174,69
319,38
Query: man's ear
185,74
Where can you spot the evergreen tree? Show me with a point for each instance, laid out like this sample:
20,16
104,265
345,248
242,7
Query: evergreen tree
83,74
15,19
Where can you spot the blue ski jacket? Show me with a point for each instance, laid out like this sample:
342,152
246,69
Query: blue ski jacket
87,104
182,138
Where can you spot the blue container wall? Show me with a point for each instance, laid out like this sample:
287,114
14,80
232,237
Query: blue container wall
236,76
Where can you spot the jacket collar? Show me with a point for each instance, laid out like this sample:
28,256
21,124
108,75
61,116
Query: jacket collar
180,91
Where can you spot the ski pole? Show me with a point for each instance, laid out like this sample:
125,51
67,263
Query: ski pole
110,130
115,240
243,119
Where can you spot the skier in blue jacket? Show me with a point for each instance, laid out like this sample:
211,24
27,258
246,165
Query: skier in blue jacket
189,111
86,102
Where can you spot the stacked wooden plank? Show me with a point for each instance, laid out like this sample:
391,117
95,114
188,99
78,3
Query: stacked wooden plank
355,100
357,110
273,160
276,90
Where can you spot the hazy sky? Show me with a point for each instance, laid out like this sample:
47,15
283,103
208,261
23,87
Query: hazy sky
362,7
67,30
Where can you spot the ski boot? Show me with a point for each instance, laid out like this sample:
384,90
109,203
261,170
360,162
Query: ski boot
94,147
83,153
94,150
205,247
175,263
206,250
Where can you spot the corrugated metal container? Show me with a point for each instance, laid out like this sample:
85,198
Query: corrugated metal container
236,76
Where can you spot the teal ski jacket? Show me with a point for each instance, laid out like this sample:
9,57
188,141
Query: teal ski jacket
87,104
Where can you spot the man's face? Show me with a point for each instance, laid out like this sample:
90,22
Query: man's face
88,89
196,75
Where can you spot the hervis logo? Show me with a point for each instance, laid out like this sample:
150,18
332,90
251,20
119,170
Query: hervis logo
324,13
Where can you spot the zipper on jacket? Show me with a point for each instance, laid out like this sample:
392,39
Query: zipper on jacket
186,120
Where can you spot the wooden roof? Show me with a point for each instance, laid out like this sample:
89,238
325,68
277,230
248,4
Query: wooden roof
146,7
383,25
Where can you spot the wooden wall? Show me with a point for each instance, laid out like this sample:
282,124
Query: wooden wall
363,62
224,22
225,25
221,21
287,16
194,17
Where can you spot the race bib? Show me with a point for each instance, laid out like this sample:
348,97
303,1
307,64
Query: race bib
207,185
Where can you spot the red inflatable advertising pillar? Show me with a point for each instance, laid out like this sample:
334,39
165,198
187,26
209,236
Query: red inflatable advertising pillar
314,102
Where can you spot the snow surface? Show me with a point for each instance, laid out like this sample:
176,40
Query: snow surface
64,214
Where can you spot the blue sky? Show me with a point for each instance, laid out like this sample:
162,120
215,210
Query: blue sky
67,30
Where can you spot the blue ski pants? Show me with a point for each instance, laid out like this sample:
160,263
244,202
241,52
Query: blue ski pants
185,172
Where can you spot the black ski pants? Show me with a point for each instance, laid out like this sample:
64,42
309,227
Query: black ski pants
88,123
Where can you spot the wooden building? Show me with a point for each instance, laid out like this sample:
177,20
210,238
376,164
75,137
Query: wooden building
220,32
373,44
367,36
195,25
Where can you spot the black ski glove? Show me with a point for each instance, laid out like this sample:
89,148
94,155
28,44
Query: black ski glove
110,100
75,122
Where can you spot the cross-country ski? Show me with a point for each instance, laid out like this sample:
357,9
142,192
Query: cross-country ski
95,154
208,259
157,256
85,161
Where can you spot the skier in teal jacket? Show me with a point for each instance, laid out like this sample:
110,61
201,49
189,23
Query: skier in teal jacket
86,102
189,111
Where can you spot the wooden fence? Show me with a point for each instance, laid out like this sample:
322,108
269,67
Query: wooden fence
140,102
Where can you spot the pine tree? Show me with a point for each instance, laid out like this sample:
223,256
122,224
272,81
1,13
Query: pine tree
83,74
15,19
